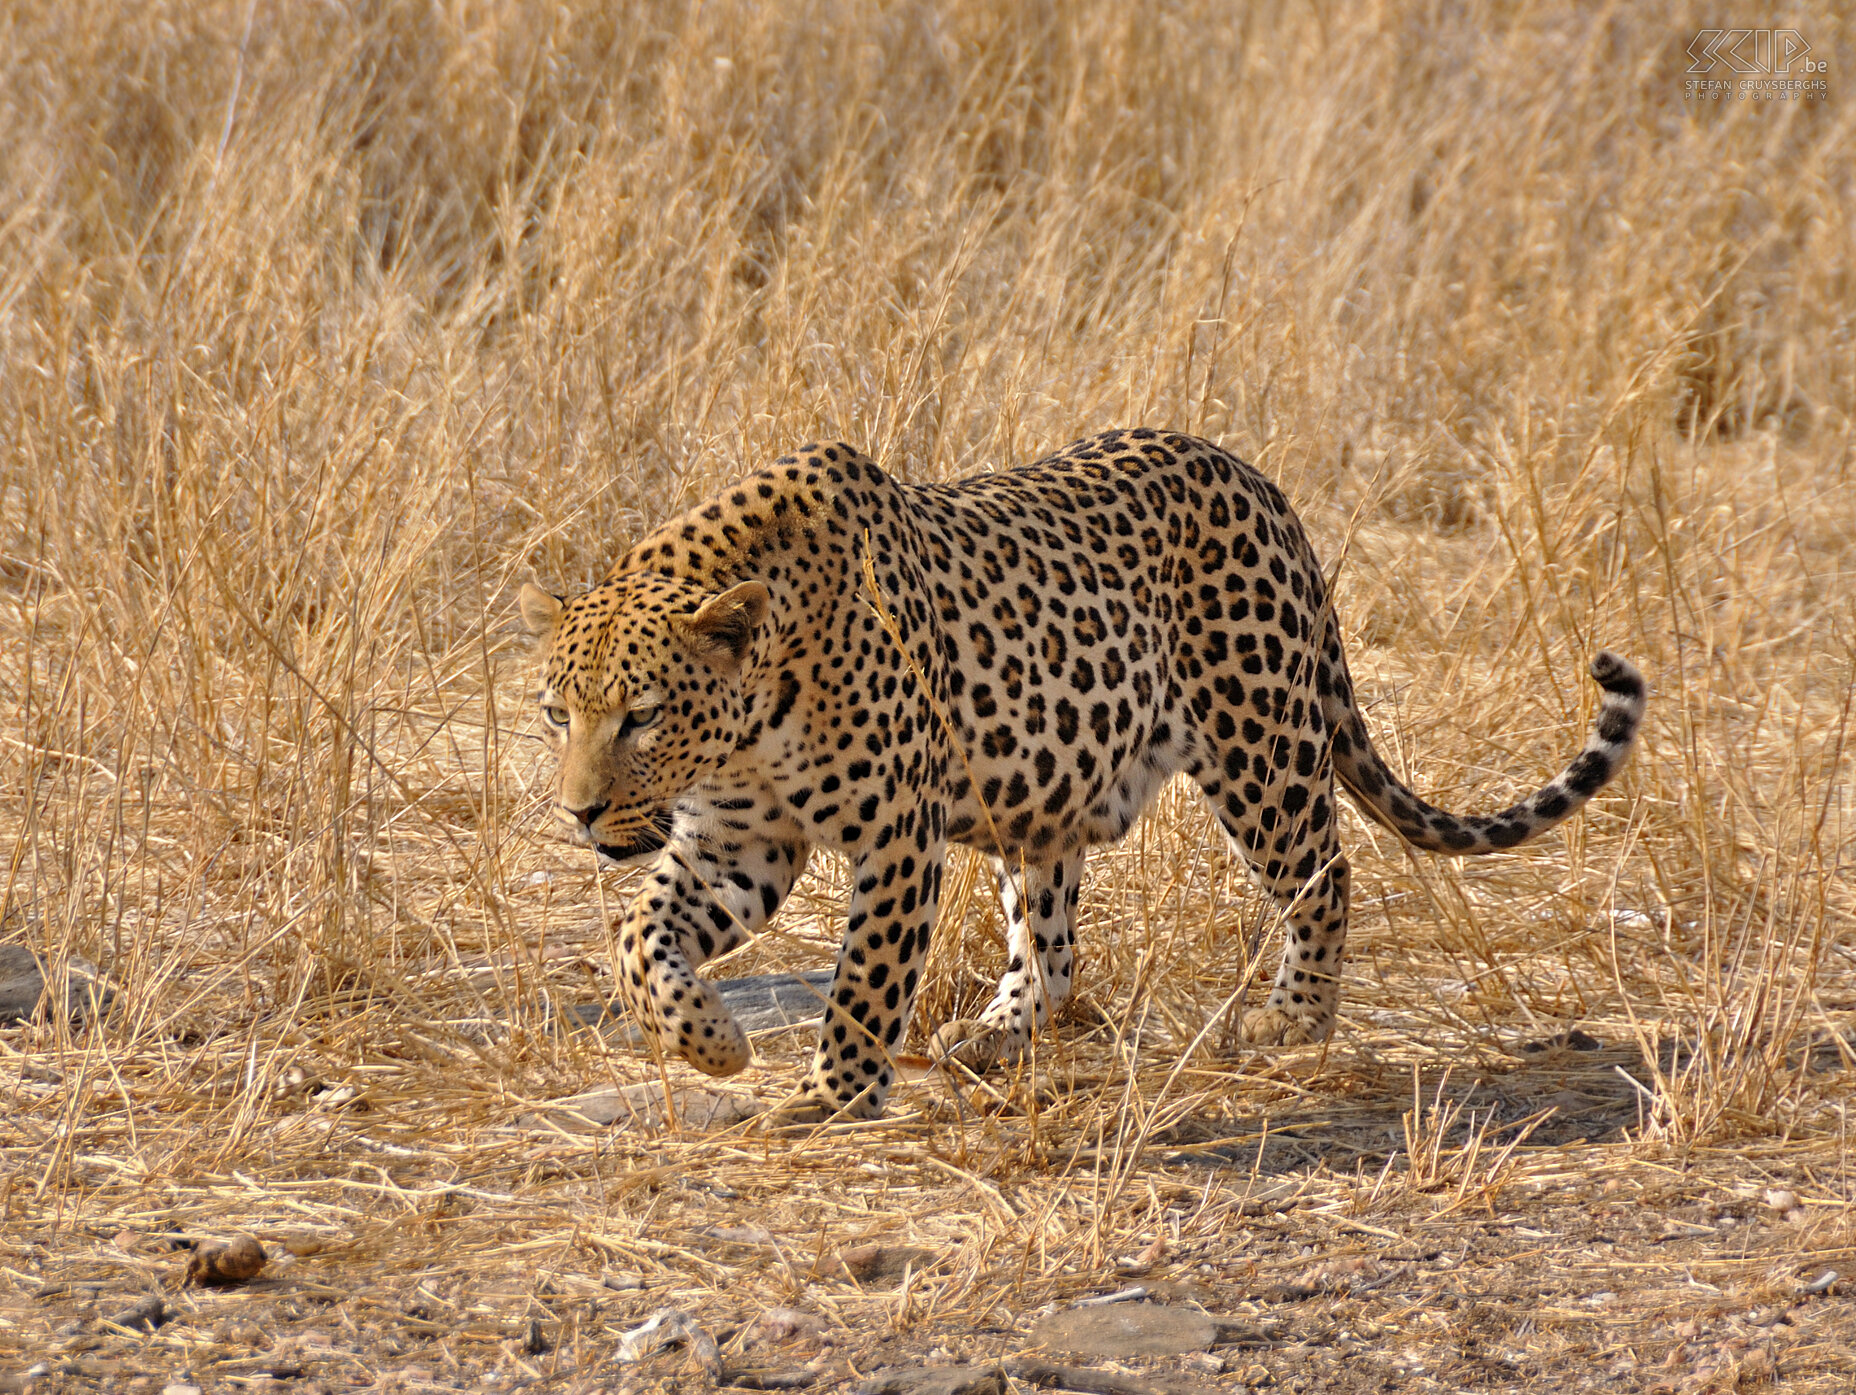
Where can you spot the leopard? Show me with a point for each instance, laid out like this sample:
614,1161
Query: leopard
824,656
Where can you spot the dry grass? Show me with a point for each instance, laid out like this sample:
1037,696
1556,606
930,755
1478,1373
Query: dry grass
323,326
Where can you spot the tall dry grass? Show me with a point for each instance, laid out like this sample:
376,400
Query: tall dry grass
323,326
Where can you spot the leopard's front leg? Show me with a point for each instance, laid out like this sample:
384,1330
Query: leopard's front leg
895,892
726,870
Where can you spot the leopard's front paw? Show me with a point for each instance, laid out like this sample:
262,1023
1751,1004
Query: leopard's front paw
967,1041
801,1111
696,1024
1274,1027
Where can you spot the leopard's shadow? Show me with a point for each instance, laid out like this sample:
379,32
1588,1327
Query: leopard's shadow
1586,1083
1591,1091
1595,1092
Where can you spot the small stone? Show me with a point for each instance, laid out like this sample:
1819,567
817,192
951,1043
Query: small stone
144,1315
23,985
935,1380
1781,1199
180,1388
1126,1329
236,1260
295,1083
1573,1040
1255,1377
884,1265
775,1326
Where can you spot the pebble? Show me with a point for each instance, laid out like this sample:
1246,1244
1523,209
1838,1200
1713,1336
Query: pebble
295,1083
777,1325
235,1260
144,1315
884,1265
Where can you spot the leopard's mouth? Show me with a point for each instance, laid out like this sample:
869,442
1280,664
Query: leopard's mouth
646,842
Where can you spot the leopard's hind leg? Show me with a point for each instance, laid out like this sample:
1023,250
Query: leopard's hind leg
1040,914
1280,814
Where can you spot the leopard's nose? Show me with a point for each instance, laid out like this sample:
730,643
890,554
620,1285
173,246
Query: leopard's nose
590,815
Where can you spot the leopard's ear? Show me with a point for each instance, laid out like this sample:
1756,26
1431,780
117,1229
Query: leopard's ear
723,626
540,610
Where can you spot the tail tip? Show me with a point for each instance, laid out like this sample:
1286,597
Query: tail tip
1616,674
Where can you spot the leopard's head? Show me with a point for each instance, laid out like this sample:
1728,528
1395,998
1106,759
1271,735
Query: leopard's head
640,697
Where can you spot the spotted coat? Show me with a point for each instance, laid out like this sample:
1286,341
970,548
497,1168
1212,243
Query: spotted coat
822,656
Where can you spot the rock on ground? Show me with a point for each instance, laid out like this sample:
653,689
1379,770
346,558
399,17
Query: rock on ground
759,1003
1125,1329
23,986
936,1380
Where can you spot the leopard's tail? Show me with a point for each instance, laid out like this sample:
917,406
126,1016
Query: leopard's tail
1384,796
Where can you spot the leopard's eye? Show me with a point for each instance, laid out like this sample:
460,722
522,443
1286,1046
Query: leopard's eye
554,714
638,719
